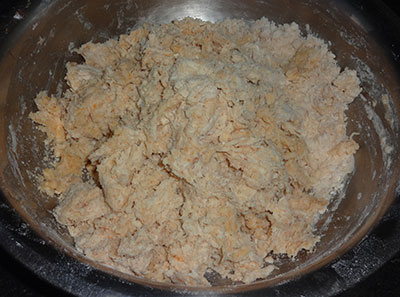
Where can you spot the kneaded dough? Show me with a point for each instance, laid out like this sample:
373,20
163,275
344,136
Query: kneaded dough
194,146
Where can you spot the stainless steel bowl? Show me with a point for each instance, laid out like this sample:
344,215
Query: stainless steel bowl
34,56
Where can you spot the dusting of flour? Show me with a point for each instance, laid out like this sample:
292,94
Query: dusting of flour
193,147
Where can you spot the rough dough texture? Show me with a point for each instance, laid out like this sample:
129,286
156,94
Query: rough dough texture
194,146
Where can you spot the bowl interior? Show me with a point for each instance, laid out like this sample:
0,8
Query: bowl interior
34,59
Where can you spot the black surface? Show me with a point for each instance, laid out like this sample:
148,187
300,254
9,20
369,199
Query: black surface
17,280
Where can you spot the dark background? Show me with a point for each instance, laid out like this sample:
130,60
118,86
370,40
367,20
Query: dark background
16,280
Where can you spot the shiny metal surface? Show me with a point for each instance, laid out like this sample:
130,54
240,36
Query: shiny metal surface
34,59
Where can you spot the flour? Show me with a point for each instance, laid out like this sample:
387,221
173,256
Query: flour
207,147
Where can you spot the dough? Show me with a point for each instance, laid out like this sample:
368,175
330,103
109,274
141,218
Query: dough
193,146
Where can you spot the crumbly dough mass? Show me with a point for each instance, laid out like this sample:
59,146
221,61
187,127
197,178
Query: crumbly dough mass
196,146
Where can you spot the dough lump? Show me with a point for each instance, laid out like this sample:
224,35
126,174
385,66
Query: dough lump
193,146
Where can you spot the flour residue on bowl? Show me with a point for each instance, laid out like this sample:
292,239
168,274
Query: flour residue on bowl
378,96
384,138
13,154
193,147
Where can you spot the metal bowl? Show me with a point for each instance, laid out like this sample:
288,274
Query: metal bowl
34,56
